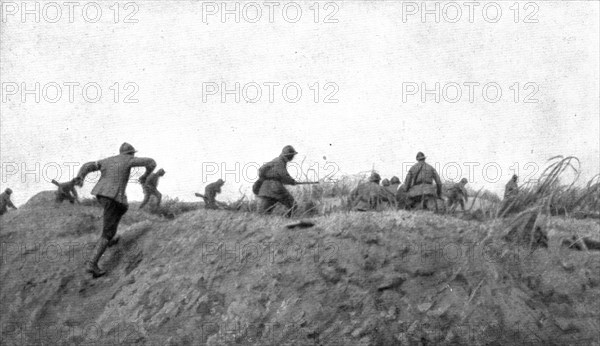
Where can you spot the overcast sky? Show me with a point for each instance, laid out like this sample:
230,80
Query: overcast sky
371,61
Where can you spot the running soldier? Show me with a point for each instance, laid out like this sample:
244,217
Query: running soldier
272,177
150,188
457,194
210,194
110,192
5,201
67,191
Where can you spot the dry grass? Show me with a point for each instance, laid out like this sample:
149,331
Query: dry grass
553,197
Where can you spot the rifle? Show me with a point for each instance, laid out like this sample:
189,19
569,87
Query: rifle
307,182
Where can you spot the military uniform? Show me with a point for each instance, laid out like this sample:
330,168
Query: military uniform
150,188
272,177
419,183
210,194
457,194
5,201
370,195
110,192
511,189
67,191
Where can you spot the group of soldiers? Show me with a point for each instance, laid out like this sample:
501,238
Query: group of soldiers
418,189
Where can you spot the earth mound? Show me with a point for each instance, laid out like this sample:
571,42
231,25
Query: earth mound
41,199
223,278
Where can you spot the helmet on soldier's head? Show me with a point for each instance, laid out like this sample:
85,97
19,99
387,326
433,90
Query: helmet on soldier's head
161,172
127,148
375,178
395,180
8,191
385,182
464,180
220,181
420,156
515,177
288,150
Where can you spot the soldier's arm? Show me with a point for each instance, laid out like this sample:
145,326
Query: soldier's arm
147,162
88,168
408,180
280,173
438,182
465,193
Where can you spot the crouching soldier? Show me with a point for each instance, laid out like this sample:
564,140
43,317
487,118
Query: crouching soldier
5,201
110,192
370,195
67,191
419,184
210,194
272,177
150,188
457,194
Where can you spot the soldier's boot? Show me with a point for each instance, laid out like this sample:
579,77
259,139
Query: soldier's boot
92,266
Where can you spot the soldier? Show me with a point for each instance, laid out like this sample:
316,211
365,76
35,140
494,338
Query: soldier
150,188
419,183
67,190
394,184
511,189
370,195
271,178
457,194
110,192
5,201
210,194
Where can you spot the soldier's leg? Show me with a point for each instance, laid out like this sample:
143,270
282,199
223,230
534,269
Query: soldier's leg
59,197
266,205
289,202
451,204
113,211
462,203
145,200
159,197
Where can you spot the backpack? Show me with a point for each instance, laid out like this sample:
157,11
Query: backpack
256,186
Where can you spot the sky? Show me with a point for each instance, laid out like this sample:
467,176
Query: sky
352,85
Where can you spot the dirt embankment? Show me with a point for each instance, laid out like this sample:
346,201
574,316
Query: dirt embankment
221,278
